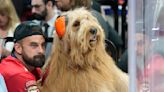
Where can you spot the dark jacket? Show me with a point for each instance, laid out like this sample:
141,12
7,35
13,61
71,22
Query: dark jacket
110,33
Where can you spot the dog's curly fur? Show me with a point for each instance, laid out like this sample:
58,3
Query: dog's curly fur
79,62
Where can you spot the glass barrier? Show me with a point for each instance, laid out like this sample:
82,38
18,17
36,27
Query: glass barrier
149,45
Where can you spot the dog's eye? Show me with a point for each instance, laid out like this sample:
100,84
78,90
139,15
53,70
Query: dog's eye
76,23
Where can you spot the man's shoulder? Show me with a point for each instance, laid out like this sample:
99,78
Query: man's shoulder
15,73
9,67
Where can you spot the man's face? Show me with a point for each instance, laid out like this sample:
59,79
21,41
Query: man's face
4,19
33,49
39,10
143,43
63,5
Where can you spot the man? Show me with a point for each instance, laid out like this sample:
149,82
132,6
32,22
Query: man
45,11
143,45
110,33
22,68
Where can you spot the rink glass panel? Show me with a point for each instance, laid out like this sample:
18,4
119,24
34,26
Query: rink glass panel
149,37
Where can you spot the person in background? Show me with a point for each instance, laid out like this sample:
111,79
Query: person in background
22,68
2,84
8,21
142,47
110,33
45,11
22,9
152,70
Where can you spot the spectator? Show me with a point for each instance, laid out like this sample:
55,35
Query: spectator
110,33
2,84
23,65
8,21
45,10
22,8
142,47
153,72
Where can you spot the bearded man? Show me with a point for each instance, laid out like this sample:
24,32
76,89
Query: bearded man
22,68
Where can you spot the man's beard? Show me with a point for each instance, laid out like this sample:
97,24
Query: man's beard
35,61
40,17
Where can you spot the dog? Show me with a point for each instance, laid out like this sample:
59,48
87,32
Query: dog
79,61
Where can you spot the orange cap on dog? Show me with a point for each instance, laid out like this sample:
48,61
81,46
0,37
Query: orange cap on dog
60,25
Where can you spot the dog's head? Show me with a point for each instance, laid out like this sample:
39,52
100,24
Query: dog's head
78,29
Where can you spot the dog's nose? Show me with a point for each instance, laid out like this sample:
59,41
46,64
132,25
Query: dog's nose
93,30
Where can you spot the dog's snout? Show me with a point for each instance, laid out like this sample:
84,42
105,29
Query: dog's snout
93,30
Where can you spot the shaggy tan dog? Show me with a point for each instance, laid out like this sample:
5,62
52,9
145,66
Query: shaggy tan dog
79,62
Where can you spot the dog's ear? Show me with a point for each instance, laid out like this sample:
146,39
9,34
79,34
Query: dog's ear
60,25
